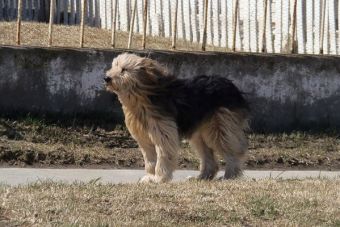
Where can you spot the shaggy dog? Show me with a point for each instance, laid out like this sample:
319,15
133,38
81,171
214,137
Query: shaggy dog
159,109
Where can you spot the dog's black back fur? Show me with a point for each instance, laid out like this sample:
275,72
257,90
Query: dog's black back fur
191,101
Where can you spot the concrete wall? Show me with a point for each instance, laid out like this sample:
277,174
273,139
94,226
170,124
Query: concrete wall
286,92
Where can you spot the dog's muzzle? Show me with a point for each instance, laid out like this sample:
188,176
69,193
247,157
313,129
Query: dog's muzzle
107,79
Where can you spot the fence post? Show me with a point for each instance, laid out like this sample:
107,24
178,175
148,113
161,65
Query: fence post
174,28
235,25
114,21
323,13
145,21
50,26
204,36
132,23
292,42
19,22
82,22
264,48
338,29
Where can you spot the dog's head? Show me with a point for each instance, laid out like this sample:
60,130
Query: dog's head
130,73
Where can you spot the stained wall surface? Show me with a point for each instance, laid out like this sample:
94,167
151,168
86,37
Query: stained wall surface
286,92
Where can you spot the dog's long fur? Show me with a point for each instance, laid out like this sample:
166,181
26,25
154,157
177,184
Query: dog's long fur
160,109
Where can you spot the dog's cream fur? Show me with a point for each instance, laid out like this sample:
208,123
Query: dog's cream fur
158,136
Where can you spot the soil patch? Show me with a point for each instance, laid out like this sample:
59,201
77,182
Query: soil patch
42,143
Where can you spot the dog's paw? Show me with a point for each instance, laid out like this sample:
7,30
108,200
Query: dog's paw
148,179
154,179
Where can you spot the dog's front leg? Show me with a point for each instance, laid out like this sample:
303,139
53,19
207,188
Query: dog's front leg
164,135
149,154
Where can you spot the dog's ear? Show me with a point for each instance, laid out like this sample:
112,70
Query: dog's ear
153,68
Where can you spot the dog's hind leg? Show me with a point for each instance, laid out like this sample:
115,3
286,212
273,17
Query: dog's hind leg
208,165
224,133
233,167
164,135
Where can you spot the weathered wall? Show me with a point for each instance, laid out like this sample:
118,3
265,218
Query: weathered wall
286,92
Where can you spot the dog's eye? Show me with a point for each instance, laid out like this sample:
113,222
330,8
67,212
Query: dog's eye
123,70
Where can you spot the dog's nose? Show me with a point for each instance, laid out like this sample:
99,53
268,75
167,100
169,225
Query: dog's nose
107,79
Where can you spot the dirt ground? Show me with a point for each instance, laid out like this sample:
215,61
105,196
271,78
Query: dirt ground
41,142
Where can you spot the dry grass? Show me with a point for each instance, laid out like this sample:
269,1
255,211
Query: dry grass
299,149
36,34
34,141
231,203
